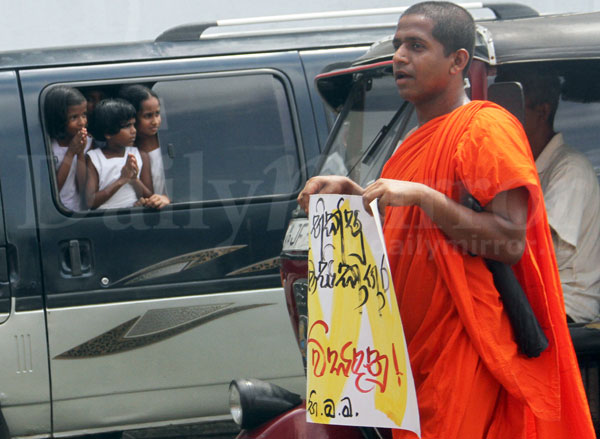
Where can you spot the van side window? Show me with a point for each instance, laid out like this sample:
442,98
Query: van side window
227,137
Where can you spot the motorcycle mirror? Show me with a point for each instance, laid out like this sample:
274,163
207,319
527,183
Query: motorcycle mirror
253,402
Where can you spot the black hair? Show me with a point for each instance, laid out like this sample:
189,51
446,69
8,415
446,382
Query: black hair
56,104
541,85
136,94
87,92
110,116
453,26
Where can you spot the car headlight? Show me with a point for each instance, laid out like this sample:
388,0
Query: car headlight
253,402
235,404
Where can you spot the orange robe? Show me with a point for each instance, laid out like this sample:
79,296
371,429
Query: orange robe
471,381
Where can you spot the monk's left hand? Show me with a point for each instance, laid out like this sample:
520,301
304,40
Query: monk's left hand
393,193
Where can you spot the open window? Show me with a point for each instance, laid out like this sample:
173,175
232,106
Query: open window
228,136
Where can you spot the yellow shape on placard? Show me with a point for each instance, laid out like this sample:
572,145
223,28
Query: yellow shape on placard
333,355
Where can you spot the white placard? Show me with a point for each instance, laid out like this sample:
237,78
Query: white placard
358,367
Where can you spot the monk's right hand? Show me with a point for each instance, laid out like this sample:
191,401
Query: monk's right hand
327,184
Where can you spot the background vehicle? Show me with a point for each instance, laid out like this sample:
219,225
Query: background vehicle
358,146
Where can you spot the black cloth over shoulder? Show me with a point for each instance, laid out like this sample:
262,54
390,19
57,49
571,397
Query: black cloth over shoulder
529,335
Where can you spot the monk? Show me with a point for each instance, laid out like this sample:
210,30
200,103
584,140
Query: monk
471,380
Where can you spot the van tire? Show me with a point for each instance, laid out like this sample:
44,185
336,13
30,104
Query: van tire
4,433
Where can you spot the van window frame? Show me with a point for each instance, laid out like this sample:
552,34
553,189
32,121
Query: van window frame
295,125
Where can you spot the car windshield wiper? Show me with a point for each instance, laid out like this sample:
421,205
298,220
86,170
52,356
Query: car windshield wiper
373,147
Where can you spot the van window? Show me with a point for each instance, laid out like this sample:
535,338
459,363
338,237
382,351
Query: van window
225,137
228,137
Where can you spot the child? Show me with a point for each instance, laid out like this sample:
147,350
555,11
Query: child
117,174
65,111
147,107
93,95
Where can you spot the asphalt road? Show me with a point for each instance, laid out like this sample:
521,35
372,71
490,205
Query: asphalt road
208,430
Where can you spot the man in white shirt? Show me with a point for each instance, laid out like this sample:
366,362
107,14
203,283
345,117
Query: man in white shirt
571,194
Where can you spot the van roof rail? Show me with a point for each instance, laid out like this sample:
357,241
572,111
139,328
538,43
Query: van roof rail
193,31
509,11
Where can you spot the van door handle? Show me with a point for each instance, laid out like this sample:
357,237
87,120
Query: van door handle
76,257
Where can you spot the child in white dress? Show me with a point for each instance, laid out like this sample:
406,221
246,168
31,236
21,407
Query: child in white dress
147,107
117,174
65,113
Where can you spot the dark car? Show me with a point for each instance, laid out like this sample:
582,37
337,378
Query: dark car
373,119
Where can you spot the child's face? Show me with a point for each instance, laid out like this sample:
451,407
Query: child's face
148,118
93,97
125,136
76,118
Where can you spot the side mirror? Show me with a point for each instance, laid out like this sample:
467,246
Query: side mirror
253,402
510,96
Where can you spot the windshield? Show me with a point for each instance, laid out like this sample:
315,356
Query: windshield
358,146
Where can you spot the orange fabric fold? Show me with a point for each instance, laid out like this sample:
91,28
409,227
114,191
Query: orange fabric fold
471,380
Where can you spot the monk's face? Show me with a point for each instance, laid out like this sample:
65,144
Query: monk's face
421,69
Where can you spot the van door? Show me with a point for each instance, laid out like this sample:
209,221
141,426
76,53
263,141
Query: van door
5,295
24,377
152,313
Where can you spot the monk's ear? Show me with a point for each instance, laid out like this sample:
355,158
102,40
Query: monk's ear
460,59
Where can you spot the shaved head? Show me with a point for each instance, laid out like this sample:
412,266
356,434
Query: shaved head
453,26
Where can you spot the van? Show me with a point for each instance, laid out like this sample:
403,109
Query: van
128,318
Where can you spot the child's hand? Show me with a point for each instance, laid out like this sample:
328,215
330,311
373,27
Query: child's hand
78,142
130,170
154,201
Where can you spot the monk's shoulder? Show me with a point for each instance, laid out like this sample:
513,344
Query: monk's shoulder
492,122
492,130
492,116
